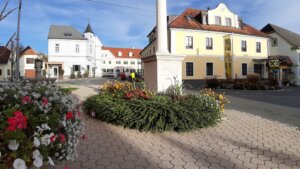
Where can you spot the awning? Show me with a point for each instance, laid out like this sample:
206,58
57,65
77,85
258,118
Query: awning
283,60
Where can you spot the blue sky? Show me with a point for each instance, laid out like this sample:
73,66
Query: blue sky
124,27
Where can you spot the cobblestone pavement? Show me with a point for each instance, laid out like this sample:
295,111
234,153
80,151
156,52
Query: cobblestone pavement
240,141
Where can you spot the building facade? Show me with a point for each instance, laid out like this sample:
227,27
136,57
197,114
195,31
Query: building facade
70,51
216,44
285,47
27,63
5,64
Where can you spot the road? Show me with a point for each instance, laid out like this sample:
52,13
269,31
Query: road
280,105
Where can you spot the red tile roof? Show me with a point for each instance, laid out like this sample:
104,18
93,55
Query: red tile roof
125,52
4,55
28,51
183,23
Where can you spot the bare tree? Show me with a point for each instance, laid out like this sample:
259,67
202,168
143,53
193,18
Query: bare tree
3,13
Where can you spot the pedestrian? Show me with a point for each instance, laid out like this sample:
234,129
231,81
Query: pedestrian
132,76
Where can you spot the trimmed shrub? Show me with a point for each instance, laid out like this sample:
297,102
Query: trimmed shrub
122,104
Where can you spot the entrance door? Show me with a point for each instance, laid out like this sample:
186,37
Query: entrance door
258,69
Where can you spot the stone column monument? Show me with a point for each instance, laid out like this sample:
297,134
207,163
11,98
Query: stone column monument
38,65
161,68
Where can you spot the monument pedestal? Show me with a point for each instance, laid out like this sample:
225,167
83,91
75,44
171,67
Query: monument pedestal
160,70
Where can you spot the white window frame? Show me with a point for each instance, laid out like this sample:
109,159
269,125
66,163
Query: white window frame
207,43
259,47
216,20
245,46
230,21
56,48
77,48
189,42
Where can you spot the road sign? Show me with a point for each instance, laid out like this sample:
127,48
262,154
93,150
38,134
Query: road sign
274,64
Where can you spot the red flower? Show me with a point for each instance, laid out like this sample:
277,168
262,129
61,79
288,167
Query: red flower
53,138
62,138
19,121
78,114
45,101
70,115
66,167
26,99
83,137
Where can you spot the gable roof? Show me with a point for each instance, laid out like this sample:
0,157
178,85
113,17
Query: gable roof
64,32
4,55
88,29
182,22
28,51
125,52
292,37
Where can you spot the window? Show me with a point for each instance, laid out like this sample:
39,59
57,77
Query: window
119,53
125,62
104,70
209,69
189,69
0,72
109,62
132,62
88,67
139,63
244,46
228,22
132,70
130,54
118,62
103,62
274,42
209,43
218,20
8,72
91,49
126,70
57,48
29,61
76,67
244,69
189,42
110,70
258,47
77,48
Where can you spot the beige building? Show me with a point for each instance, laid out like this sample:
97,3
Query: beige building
5,64
215,43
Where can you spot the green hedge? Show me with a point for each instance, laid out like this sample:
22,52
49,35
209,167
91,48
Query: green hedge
159,113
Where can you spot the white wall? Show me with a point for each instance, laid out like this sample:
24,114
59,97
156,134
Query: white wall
284,48
222,11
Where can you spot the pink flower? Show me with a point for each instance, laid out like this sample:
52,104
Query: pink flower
62,138
45,101
53,138
69,116
19,121
66,167
78,114
26,99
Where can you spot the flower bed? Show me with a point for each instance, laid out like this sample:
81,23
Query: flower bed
39,125
123,104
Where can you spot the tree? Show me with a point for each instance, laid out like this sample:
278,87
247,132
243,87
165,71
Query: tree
3,13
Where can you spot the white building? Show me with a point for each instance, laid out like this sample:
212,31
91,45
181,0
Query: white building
27,62
120,60
71,51
285,46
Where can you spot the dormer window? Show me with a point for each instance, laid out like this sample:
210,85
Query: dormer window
228,22
119,53
68,34
130,54
218,20
189,17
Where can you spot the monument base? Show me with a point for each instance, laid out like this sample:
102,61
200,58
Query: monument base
160,70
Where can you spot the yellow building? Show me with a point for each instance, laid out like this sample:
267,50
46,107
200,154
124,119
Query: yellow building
215,43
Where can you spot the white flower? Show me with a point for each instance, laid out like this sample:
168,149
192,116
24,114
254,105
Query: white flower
13,145
36,142
36,154
38,162
50,161
19,164
45,126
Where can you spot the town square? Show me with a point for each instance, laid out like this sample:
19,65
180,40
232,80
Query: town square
95,84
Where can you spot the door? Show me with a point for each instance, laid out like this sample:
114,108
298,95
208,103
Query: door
258,69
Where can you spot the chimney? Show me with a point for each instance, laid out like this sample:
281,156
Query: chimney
162,27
